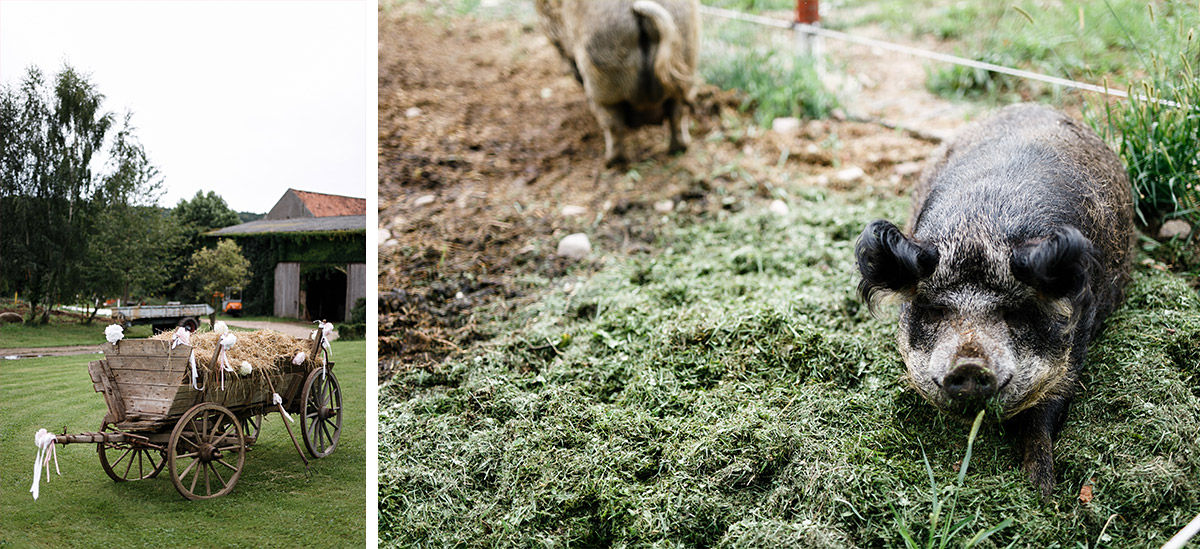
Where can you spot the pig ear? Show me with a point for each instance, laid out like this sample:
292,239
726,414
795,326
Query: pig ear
890,261
1056,266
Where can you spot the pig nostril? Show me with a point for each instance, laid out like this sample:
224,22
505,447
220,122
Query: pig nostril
969,381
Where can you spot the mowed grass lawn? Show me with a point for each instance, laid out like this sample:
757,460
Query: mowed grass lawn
731,390
275,503
60,333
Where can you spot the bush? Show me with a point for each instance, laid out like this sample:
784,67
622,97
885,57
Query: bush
351,331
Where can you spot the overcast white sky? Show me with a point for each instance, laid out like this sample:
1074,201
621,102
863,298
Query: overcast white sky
243,98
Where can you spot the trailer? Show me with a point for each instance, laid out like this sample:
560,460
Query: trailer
162,317
158,417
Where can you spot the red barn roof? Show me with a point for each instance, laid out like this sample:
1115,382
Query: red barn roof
299,204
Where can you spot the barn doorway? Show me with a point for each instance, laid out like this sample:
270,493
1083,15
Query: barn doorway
324,291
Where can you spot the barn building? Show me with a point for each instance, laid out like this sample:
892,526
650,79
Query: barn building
308,256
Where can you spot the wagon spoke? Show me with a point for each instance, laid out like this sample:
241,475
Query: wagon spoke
195,477
115,463
207,483
150,457
129,465
325,430
218,474
222,462
228,448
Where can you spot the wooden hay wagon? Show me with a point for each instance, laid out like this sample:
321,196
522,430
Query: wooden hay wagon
158,418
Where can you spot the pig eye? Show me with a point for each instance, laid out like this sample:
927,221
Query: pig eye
930,312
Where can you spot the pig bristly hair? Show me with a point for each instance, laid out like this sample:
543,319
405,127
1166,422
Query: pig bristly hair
890,262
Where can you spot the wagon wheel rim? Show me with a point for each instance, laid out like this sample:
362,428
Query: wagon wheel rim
207,452
129,461
321,420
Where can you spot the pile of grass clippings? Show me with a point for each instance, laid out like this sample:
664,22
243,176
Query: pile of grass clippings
733,391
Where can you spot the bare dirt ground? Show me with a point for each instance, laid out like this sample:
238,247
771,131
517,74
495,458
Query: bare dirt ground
34,352
484,137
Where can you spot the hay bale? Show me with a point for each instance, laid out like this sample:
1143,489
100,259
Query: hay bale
265,350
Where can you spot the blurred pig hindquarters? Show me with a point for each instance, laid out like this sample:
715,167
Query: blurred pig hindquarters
636,61
1018,248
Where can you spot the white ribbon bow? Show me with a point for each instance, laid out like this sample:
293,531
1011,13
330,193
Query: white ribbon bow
44,440
278,400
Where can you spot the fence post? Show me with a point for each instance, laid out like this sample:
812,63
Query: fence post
811,45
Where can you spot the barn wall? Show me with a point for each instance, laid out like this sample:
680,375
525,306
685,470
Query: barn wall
356,285
287,290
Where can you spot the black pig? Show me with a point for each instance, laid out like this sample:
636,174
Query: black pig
1018,248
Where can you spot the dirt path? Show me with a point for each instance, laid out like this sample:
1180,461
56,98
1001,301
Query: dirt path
34,352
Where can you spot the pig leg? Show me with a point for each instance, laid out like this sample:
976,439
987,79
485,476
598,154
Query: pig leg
614,134
678,124
1035,430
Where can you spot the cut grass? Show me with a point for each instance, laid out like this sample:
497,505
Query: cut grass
275,504
733,391
60,332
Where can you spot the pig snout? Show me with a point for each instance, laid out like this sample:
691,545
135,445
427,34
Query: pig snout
969,381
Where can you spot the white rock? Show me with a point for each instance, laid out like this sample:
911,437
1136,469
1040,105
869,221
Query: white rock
907,168
1174,228
572,211
458,295
664,206
786,125
384,235
424,200
850,175
575,246
778,207
412,112
546,93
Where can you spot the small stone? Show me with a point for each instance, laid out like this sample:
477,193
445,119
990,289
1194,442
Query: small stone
778,207
412,112
575,246
664,206
572,211
424,200
786,125
853,174
546,93
907,168
458,295
1173,228
384,235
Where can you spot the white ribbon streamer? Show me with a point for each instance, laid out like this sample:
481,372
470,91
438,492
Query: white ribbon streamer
184,337
44,440
227,341
278,401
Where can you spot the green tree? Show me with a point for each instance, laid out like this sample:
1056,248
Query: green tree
50,194
214,269
203,213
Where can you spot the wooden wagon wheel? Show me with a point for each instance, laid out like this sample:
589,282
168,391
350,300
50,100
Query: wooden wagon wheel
207,442
321,421
124,461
